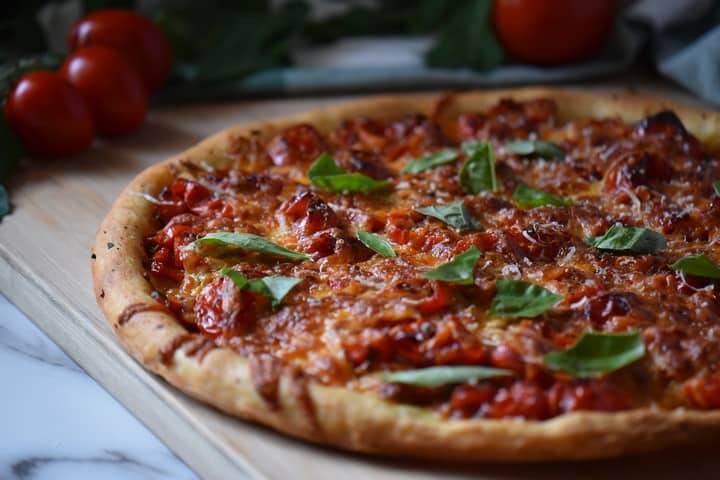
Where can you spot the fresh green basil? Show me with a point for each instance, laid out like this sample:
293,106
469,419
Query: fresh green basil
325,173
535,147
433,160
698,265
478,172
376,244
528,197
716,187
438,376
597,353
454,214
516,298
273,287
459,270
249,242
629,239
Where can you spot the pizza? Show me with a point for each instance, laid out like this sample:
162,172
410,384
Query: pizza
518,275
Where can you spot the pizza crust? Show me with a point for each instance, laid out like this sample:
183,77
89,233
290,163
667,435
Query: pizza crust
350,419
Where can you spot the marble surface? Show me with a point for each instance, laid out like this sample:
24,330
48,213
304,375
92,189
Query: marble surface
57,423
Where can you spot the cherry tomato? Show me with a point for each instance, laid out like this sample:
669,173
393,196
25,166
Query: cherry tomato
112,86
134,35
49,115
551,32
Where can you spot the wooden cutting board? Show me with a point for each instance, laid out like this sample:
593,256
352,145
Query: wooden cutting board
45,270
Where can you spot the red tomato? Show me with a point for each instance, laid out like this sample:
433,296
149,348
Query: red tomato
134,35
49,115
551,32
112,86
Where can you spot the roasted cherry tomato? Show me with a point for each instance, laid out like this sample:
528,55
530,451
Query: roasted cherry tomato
552,32
49,115
112,86
134,35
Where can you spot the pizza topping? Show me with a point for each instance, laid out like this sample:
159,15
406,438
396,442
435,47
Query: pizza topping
296,145
217,243
538,148
527,197
476,258
417,165
716,187
698,265
275,287
459,270
376,244
478,172
326,173
224,309
629,239
437,376
516,298
598,353
454,214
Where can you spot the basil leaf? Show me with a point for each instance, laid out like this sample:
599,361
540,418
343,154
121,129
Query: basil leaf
454,214
698,265
325,173
478,172
438,376
716,187
528,197
251,243
516,298
596,353
629,239
535,147
238,278
436,159
376,244
274,287
459,270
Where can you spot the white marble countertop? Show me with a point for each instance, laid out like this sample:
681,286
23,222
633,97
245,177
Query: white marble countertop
57,423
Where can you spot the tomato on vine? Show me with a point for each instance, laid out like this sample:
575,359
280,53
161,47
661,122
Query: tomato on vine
112,86
138,38
552,32
49,116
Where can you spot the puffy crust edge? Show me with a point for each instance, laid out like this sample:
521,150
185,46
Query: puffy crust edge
349,419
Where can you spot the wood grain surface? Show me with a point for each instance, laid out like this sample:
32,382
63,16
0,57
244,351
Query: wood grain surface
45,270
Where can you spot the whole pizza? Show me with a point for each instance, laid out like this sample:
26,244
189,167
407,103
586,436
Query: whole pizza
512,275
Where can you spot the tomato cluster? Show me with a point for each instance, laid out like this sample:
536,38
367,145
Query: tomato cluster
118,58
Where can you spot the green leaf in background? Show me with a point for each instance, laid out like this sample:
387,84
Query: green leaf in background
325,173
535,147
478,172
454,214
598,353
12,150
716,187
459,270
698,265
438,376
629,239
527,197
4,202
248,242
433,160
516,298
274,287
376,244
467,39
216,42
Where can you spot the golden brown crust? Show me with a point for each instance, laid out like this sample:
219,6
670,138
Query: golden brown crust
345,418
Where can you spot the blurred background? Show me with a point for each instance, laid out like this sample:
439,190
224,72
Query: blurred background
226,48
